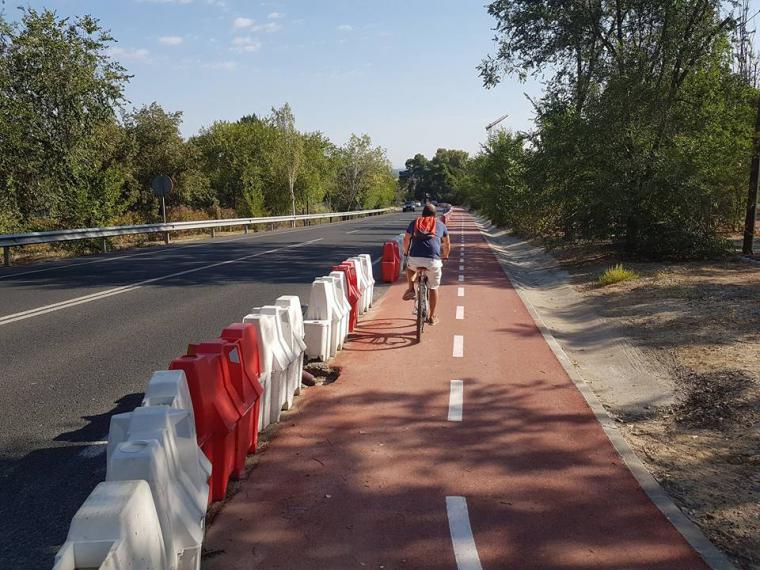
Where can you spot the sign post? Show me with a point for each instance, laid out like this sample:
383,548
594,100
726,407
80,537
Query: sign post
162,185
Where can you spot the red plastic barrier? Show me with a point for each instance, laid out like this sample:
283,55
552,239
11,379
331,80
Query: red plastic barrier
353,292
388,263
250,369
216,416
241,394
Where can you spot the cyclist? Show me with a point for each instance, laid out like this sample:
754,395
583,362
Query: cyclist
427,243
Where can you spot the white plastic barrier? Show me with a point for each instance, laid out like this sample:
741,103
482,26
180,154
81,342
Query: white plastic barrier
340,307
158,445
362,282
322,307
369,273
342,290
399,239
286,382
169,388
116,528
292,327
274,366
317,338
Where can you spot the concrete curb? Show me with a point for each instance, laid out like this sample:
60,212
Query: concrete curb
714,558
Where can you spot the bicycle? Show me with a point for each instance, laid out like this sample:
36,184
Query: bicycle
422,299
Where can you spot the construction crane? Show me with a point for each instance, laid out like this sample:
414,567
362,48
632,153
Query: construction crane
496,122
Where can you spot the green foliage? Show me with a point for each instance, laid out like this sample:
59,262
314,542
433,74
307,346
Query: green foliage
437,178
364,178
643,133
616,274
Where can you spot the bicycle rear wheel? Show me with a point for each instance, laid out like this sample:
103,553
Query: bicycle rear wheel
421,308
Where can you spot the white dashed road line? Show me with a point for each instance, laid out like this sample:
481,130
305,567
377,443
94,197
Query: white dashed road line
460,291
126,288
456,398
460,312
465,551
458,351
461,280
461,268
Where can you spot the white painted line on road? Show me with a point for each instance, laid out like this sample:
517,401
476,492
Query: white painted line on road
458,351
93,449
460,312
352,231
461,280
126,288
378,260
465,551
460,291
456,397
461,268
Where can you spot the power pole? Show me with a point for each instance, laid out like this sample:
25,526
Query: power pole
754,177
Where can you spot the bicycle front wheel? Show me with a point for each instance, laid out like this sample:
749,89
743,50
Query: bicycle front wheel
421,309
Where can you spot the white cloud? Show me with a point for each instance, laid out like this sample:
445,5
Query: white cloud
220,3
245,44
239,23
225,65
129,54
345,28
171,40
276,15
269,27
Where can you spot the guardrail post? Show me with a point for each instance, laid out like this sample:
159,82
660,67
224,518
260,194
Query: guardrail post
245,228
271,227
213,232
7,256
104,245
167,240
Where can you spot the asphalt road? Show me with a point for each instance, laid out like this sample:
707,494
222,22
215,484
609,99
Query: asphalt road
80,338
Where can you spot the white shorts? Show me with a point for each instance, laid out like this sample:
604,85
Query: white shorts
434,267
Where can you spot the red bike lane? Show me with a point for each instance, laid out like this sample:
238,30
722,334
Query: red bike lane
389,468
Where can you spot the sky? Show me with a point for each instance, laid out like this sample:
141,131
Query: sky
402,71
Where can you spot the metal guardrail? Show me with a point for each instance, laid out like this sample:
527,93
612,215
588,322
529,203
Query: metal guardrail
7,241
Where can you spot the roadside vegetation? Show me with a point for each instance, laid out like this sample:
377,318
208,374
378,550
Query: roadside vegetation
616,274
73,154
643,135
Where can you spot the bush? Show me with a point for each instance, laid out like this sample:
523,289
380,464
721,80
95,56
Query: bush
616,274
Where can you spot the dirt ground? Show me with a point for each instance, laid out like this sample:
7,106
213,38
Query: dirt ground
702,322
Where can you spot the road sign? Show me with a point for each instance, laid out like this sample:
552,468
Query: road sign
162,185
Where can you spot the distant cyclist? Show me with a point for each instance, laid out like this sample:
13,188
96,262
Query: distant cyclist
427,243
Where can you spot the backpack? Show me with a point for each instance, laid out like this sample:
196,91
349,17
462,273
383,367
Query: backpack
423,233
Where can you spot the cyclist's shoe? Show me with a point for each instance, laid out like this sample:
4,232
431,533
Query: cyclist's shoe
409,295
432,321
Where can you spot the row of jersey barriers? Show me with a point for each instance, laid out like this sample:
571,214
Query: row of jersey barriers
170,458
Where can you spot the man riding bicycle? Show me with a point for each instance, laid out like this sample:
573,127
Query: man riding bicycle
426,242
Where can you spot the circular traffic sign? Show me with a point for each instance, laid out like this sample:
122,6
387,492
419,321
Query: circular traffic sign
162,185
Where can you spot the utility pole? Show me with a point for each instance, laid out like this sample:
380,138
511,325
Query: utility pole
754,177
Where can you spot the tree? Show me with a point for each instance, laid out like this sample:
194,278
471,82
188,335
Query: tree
363,175
58,93
290,148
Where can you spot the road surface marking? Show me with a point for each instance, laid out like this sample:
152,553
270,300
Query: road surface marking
460,312
460,291
7,319
465,551
461,280
456,396
93,449
458,351
461,268
352,231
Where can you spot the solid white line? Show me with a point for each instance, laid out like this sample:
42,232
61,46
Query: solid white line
456,397
93,449
353,231
458,351
461,279
460,312
465,551
460,291
126,288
